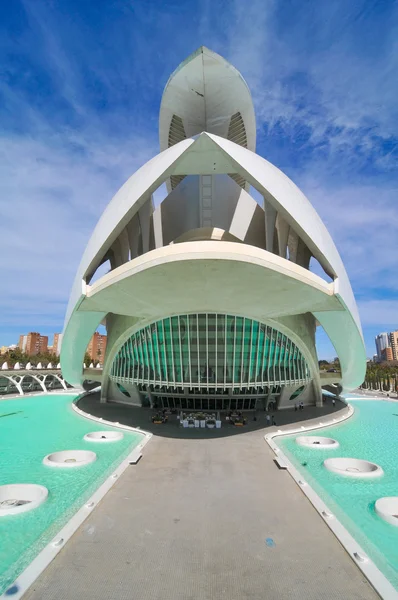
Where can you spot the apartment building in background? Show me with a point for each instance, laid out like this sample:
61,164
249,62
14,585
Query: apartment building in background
387,355
394,344
387,346
33,343
97,346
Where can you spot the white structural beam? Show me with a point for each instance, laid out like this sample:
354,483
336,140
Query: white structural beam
121,209
157,227
40,380
283,233
77,333
270,221
15,380
243,215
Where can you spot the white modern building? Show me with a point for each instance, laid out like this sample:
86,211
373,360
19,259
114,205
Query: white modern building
209,302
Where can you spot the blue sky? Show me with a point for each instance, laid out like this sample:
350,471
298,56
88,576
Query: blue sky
80,89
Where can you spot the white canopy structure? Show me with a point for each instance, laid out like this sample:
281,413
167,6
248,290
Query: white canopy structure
211,290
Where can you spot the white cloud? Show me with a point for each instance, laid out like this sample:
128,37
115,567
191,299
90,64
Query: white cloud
310,73
53,197
363,221
314,71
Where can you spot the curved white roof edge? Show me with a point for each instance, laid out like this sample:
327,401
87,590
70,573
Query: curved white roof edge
123,206
257,264
209,153
198,52
205,91
338,323
214,250
276,187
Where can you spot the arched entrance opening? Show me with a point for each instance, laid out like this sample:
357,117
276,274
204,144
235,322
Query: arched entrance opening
209,362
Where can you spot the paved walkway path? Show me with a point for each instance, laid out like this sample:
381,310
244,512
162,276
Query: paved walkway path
203,519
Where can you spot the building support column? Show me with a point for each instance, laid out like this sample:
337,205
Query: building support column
317,389
150,395
104,388
269,397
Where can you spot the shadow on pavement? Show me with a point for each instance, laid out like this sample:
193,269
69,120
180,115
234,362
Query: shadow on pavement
142,417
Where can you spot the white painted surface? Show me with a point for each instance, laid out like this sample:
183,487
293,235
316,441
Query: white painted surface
194,93
17,498
243,215
387,509
353,467
317,442
183,267
222,205
69,459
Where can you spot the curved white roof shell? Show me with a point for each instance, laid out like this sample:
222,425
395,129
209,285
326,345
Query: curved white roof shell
206,93
209,153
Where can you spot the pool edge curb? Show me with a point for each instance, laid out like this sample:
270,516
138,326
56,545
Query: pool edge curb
375,577
38,565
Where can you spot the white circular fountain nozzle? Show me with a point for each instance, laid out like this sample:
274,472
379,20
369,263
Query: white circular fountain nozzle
317,442
353,467
68,459
103,436
387,509
16,498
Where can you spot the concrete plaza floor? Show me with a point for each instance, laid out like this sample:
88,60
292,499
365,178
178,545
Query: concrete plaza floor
203,519
141,417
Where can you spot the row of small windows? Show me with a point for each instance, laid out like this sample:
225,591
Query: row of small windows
179,391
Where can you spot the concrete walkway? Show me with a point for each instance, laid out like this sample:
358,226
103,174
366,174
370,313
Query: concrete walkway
204,519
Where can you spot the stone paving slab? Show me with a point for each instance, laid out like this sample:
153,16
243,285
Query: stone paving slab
204,519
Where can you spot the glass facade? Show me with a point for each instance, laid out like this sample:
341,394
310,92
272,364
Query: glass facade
209,351
206,404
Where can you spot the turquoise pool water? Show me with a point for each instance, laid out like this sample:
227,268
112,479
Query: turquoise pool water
372,434
30,428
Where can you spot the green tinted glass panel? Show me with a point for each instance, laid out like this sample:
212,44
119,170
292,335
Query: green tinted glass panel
209,350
